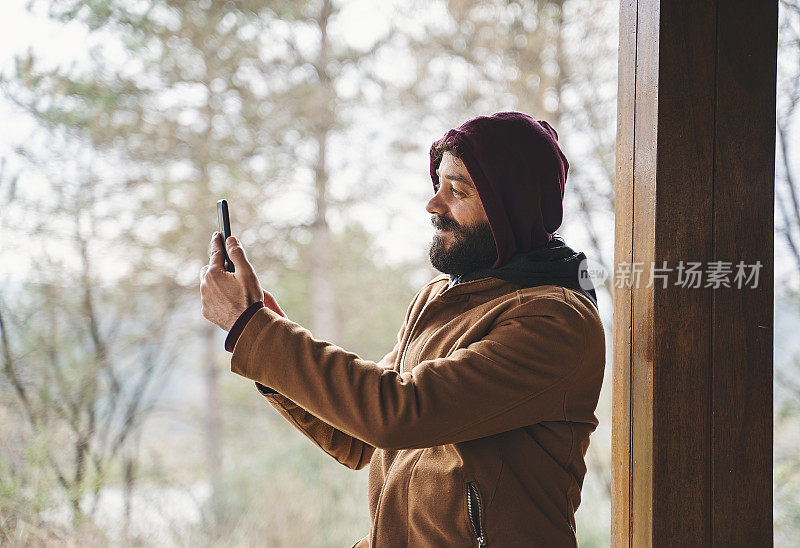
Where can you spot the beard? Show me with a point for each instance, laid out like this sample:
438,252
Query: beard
471,247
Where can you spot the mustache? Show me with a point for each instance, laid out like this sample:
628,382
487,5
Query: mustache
444,223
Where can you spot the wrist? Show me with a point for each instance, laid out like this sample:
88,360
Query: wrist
240,323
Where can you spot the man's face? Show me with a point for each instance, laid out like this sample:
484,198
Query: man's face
463,240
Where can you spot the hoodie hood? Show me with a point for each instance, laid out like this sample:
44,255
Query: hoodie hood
519,173
555,263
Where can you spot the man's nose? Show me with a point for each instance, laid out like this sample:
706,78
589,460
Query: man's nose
435,205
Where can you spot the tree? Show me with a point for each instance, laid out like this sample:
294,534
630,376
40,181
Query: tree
82,363
788,192
787,229
183,102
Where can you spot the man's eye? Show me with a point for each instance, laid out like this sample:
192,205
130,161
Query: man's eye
456,192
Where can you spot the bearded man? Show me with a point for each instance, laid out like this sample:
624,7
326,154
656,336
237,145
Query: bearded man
475,426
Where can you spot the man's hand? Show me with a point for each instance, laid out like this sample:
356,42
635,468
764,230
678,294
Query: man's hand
272,304
225,295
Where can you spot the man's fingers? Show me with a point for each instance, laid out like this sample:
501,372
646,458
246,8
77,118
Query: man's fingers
203,271
215,251
272,304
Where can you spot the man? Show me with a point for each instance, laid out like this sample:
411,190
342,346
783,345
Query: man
476,424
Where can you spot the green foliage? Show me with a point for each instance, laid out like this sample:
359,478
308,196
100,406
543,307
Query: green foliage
373,296
199,107
786,458
278,488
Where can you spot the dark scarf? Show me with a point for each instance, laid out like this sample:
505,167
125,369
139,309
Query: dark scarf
555,263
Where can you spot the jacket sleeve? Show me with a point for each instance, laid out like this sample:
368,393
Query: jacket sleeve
520,373
347,450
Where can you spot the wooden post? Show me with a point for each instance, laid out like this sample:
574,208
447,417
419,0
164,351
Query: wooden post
692,371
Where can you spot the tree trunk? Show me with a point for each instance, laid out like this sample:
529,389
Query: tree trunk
324,313
127,494
213,437
323,293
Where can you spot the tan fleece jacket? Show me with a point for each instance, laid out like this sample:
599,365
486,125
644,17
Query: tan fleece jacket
475,425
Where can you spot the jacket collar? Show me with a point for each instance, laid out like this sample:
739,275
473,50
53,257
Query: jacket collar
555,263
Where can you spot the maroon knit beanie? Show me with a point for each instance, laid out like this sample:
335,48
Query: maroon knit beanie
519,173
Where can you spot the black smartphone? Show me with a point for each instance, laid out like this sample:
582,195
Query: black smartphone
224,229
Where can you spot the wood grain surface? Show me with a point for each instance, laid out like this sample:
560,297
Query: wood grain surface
692,366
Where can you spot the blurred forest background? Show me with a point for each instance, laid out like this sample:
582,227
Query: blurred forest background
125,121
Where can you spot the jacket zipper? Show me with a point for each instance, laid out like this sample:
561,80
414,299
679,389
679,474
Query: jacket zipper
475,511
422,312
414,327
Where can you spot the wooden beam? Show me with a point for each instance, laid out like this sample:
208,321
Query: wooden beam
692,371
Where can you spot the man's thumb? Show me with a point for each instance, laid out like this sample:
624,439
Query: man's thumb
236,254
